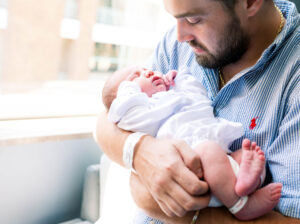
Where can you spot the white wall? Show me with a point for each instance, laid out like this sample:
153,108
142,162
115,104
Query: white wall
42,183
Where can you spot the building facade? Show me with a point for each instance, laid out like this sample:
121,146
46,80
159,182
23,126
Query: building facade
42,40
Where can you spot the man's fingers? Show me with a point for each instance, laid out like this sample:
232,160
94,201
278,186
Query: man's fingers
190,182
201,201
165,209
190,158
172,184
171,208
185,200
167,204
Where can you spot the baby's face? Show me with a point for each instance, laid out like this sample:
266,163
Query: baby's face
150,82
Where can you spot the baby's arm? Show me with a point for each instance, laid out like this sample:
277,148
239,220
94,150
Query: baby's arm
185,82
129,96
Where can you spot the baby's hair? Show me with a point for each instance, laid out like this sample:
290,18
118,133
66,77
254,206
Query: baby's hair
110,89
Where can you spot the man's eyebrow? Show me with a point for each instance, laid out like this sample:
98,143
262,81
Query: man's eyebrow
193,12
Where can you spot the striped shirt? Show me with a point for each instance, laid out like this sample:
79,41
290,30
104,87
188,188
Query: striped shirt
265,98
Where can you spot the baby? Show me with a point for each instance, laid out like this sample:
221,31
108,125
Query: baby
177,106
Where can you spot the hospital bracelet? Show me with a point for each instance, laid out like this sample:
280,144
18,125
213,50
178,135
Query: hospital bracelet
128,148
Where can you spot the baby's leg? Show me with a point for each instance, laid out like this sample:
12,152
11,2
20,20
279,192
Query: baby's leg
218,173
251,168
220,177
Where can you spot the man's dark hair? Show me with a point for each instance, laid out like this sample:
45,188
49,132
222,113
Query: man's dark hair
229,4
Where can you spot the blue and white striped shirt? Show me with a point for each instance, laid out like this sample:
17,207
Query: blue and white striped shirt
264,98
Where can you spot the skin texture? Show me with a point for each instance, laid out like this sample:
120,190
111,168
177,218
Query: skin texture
230,41
256,20
170,173
217,168
149,82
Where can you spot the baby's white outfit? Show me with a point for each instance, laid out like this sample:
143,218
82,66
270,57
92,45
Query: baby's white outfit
183,112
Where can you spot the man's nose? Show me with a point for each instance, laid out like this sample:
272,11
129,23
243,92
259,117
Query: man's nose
184,31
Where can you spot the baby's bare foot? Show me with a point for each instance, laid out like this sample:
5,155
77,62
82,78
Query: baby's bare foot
251,168
261,202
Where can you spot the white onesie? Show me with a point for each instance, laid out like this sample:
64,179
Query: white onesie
184,112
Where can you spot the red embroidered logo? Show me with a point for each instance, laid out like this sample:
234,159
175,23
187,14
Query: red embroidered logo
253,123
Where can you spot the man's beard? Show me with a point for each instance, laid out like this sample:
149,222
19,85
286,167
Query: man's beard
232,45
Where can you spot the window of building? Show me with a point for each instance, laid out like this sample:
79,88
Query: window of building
110,57
141,23
3,3
70,25
3,14
110,12
54,70
71,9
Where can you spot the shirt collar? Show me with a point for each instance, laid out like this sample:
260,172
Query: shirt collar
292,23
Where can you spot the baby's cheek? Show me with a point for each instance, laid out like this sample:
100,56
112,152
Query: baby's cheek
163,88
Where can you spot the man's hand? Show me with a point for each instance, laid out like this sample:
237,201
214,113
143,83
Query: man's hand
170,170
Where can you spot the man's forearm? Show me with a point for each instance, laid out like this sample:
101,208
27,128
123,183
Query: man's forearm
110,138
145,201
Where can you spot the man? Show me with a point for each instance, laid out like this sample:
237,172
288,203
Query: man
248,52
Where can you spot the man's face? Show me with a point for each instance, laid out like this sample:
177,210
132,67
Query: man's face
214,33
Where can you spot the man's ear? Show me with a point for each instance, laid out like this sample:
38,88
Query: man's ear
252,6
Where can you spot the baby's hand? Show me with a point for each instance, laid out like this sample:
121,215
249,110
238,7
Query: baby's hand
169,78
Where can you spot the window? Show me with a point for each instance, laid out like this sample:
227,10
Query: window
109,14
141,24
58,55
3,14
71,9
70,25
109,57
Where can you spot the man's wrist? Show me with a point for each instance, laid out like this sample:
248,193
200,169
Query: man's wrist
143,142
129,147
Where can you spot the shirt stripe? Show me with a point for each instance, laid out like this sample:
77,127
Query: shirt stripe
268,92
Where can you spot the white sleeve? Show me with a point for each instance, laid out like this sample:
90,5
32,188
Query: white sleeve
139,113
185,82
129,96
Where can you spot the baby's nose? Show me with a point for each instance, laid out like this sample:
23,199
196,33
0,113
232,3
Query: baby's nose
148,73
158,74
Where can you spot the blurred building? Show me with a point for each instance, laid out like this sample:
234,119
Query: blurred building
42,40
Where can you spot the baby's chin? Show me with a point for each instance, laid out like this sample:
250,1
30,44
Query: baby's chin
160,88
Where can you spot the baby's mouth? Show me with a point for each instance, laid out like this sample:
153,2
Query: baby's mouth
157,81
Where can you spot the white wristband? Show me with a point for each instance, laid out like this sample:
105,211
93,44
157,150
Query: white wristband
239,205
128,149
